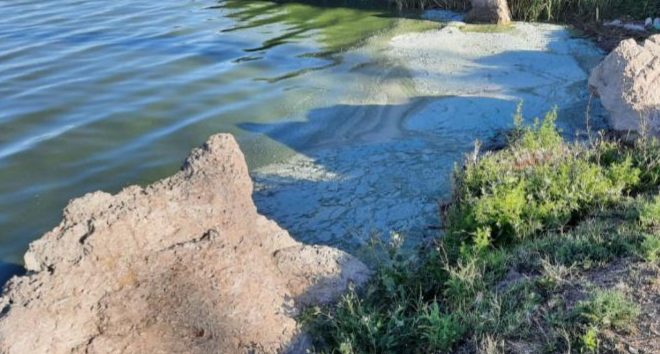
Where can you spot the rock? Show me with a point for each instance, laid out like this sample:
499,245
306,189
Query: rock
628,83
615,23
185,265
629,26
634,27
489,11
656,23
648,22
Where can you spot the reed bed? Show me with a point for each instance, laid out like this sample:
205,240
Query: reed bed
555,10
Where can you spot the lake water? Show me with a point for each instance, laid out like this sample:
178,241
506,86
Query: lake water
334,122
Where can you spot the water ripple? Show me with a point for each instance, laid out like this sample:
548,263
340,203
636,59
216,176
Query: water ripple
101,94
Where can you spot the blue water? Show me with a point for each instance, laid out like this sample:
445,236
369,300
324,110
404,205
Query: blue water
103,94
350,130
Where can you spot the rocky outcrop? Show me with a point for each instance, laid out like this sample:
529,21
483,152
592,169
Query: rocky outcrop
489,11
628,83
185,265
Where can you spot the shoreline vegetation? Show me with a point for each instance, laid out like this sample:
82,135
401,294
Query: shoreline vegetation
553,10
549,246
588,17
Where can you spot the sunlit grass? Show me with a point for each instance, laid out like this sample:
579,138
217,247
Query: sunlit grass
524,225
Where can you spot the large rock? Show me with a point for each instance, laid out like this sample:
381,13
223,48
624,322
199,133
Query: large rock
489,11
185,265
628,83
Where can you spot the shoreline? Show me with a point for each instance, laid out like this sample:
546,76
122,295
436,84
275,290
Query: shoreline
379,163
190,262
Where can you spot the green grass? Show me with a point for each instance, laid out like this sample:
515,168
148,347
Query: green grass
650,213
649,217
522,224
608,309
441,331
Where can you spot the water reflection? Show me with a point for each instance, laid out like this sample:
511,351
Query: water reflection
346,131
99,95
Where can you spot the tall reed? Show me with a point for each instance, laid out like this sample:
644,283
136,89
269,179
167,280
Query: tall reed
555,10
561,10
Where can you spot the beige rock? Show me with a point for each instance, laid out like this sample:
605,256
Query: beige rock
185,265
628,83
489,11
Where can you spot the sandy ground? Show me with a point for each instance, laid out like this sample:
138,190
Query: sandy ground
381,161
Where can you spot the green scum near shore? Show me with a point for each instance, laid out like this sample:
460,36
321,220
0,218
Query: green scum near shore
549,247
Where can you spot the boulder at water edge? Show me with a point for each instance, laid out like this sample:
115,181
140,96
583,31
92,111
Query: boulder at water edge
185,265
489,11
628,83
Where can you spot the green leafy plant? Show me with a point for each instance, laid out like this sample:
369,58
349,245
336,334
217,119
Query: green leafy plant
650,248
608,309
589,340
539,183
649,214
520,223
441,331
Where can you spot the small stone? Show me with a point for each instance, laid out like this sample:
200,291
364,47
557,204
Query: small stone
656,23
648,22
634,27
614,23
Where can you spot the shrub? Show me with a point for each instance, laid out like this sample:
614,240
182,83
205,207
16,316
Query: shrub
509,215
643,153
539,183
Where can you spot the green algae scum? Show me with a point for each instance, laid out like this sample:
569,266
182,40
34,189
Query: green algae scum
354,128
462,175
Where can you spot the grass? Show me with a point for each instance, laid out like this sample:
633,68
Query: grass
605,309
650,248
650,213
556,10
608,309
561,10
526,229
